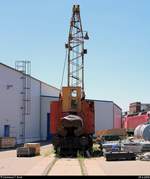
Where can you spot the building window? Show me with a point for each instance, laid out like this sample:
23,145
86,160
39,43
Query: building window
6,130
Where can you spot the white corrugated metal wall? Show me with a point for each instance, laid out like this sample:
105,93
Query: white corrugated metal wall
47,90
107,115
103,115
11,102
32,132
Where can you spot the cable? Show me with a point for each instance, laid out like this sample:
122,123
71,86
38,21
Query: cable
63,69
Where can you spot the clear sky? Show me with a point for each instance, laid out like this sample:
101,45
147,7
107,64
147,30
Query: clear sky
117,66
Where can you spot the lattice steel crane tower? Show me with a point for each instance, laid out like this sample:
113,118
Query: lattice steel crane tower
76,50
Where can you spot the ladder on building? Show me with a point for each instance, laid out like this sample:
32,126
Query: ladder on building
25,68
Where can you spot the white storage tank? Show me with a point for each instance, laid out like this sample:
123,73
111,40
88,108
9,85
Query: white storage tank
137,131
143,131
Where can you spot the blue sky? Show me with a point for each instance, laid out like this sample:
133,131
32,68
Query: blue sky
117,63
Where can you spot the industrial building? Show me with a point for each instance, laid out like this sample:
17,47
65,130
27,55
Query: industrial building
25,106
21,112
108,115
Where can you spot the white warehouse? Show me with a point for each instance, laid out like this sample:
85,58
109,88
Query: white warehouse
34,123
108,115
13,121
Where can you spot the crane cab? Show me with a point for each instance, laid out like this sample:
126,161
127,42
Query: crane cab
71,99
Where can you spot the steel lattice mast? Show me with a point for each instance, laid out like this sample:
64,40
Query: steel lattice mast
76,50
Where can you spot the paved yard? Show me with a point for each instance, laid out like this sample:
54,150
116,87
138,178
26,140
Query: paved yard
66,167
98,166
45,165
12,165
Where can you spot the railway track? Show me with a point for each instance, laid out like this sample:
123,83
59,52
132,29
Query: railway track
66,166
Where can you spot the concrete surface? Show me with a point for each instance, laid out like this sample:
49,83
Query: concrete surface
99,166
92,167
43,164
40,167
66,166
12,165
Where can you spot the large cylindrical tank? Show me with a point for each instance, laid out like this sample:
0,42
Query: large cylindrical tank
137,131
143,131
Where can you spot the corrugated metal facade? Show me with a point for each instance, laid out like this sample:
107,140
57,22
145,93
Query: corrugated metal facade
11,103
107,115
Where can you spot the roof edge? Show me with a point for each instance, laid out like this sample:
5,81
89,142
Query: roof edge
106,101
31,76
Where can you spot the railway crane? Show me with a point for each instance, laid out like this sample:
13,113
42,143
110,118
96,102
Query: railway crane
72,116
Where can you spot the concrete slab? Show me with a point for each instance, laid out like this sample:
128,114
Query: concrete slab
40,167
92,167
66,166
17,166
136,168
11,165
